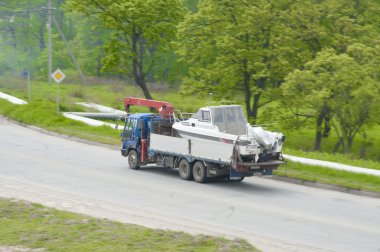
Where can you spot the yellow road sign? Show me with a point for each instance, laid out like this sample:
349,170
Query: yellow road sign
58,75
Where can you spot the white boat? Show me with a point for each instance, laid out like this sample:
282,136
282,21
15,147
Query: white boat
227,125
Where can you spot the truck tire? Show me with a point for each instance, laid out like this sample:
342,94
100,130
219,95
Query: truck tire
185,169
133,160
200,172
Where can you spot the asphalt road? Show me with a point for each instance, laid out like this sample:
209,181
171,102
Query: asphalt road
276,216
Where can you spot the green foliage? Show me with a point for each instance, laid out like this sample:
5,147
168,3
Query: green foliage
247,48
227,54
342,85
35,226
137,40
23,37
88,43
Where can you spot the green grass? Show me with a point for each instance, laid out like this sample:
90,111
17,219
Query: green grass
303,139
35,226
330,176
42,113
338,158
109,94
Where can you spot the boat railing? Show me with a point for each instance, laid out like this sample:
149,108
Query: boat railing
181,116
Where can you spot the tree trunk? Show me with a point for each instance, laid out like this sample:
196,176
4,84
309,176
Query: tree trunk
349,144
139,78
255,106
336,147
260,84
327,126
247,90
248,104
144,88
318,133
323,116
137,62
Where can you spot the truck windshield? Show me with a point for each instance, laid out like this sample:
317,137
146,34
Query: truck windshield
127,128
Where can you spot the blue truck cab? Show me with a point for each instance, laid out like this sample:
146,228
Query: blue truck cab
135,137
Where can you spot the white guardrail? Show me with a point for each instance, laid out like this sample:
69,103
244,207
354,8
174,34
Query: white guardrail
12,99
333,165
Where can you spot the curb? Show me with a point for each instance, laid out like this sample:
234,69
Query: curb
326,186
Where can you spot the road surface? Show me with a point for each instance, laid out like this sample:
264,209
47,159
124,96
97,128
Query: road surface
275,216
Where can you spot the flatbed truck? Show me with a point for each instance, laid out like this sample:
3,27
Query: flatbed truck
149,138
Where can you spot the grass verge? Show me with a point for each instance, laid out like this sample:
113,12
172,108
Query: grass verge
35,226
42,113
329,176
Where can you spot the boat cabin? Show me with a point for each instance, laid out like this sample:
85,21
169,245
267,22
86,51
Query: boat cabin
227,119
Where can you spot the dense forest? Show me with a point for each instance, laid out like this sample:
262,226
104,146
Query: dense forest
313,63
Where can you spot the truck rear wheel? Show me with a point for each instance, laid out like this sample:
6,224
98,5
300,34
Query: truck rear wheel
133,160
185,170
200,172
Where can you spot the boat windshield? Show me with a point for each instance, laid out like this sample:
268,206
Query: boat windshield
229,119
202,115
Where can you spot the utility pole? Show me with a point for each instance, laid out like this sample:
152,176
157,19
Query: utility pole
69,50
50,58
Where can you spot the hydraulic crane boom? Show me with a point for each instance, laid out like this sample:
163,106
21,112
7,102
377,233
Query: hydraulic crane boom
164,109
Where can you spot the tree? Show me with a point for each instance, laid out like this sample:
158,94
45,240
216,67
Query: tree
337,86
141,28
231,48
246,48
88,43
23,35
22,27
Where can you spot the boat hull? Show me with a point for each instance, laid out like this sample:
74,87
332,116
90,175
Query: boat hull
189,132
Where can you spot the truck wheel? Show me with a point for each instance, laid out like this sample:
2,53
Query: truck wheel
200,172
133,160
185,170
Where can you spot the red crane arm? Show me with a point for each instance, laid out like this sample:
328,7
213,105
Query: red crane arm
163,108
